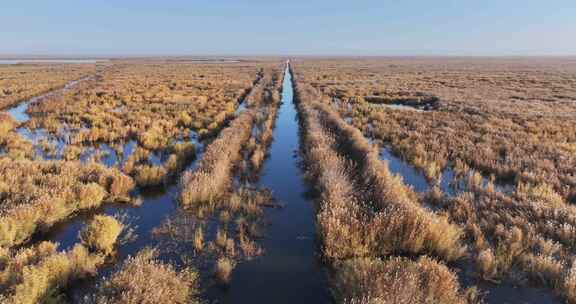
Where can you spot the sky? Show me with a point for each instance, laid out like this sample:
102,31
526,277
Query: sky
295,27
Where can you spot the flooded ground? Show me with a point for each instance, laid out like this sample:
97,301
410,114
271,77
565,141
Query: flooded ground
451,185
411,175
400,107
156,204
289,272
18,112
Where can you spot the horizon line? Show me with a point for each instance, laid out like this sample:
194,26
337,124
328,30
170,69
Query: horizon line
23,56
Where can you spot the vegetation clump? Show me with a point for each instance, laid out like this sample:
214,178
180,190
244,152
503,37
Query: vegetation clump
101,233
40,273
396,280
144,279
212,177
223,270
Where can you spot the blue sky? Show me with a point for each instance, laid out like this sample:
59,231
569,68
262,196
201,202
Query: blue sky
311,27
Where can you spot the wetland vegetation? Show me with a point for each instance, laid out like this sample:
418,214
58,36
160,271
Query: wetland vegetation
348,180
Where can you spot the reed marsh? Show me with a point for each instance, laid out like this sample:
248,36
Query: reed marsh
105,140
498,126
195,154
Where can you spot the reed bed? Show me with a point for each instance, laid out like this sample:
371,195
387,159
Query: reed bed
151,103
144,279
520,236
39,274
397,280
13,145
212,178
505,117
366,212
22,82
154,111
38,194
226,209
490,122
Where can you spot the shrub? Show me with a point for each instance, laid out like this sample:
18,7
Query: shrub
91,195
212,177
150,176
38,274
540,192
153,139
38,194
198,239
396,280
144,280
6,124
486,263
545,269
101,233
223,270
71,152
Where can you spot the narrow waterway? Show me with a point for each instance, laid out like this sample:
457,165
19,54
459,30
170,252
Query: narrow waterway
289,272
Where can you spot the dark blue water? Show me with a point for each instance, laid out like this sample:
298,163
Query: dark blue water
289,272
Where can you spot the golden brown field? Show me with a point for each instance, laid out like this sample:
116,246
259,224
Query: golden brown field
346,180
502,126
128,127
22,82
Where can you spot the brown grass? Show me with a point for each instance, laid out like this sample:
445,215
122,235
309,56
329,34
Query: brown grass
569,284
21,82
198,239
507,117
101,233
57,190
503,120
149,176
213,175
6,124
223,270
365,211
39,274
524,233
391,220
143,279
211,179
148,102
157,106
396,280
